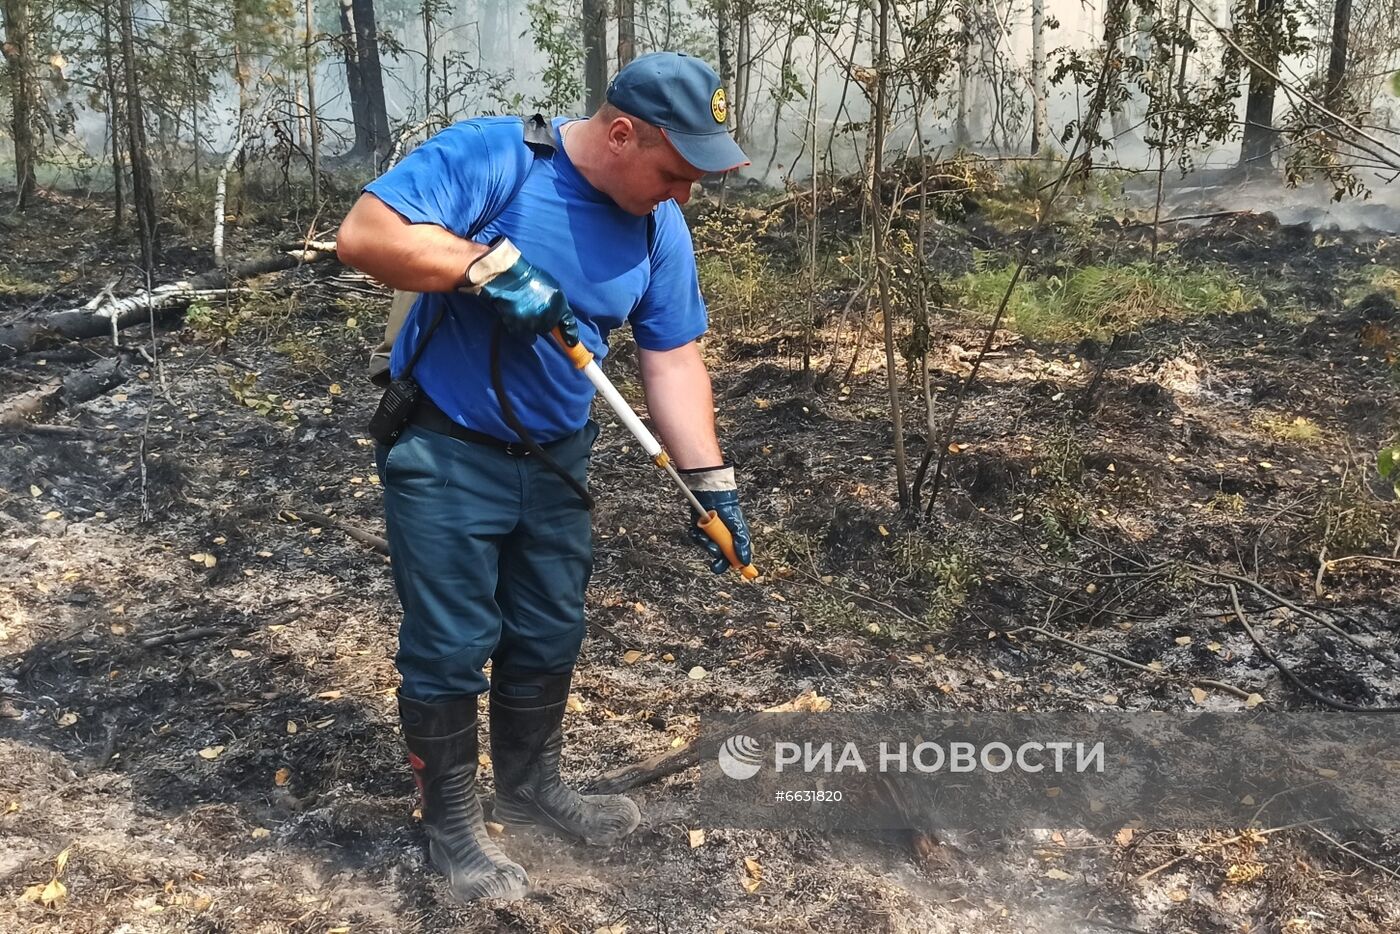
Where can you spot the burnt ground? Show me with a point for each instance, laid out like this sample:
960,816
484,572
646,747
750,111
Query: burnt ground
196,680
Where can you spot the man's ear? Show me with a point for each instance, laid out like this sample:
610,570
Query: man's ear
620,132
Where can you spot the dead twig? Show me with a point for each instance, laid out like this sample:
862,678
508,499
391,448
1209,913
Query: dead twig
1217,845
1285,602
1199,682
1346,849
378,543
1288,672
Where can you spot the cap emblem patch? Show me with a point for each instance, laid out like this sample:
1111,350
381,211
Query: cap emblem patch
719,106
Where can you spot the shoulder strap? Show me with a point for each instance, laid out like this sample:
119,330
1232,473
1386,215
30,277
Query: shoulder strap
539,138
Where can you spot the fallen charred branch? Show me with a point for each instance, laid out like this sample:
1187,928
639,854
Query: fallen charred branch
37,332
77,386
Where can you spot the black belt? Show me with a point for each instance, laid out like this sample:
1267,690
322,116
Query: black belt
427,415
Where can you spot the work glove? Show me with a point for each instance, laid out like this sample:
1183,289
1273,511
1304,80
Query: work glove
527,299
716,490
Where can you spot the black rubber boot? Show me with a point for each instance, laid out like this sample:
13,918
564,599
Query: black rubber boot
527,737
442,748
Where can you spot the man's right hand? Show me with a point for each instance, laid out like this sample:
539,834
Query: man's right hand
528,300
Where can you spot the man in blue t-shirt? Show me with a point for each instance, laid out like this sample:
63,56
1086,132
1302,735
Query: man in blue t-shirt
492,545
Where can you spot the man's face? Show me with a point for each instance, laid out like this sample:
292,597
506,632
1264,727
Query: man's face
649,175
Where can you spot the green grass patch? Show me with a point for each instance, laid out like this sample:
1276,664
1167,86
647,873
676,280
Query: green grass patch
1372,279
1099,301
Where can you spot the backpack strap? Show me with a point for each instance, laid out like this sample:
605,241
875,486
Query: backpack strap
539,137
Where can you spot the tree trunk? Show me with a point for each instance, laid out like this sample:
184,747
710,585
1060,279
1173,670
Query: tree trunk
1040,123
114,114
1337,60
595,53
355,82
371,76
314,125
882,79
724,39
626,32
962,134
1257,143
24,97
143,193
743,73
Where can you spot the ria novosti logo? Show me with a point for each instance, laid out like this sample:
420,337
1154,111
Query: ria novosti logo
740,757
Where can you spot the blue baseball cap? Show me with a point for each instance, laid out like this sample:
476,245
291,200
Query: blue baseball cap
683,97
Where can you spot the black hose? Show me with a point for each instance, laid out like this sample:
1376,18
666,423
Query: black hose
508,413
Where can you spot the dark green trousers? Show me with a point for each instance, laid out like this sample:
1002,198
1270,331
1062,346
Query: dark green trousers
491,555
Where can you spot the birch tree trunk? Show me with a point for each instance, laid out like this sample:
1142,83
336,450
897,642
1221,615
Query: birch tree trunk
1040,121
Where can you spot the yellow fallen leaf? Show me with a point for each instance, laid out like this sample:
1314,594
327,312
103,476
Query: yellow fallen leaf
696,837
1254,700
575,704
697,673
753,874
53,893
1198,695
1059,874
884,532
291,726
1213,646
211,752
282,776
631,657
68,719
53,514
60,863
335,389
1328,773
260,833
1178,895
35,491
668,657
1183,640
1109,698
240,653
329,695
1124,836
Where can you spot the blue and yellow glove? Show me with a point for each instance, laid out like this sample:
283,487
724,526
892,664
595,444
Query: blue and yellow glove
527,299
717,490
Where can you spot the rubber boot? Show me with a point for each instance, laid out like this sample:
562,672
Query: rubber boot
442,748
527,737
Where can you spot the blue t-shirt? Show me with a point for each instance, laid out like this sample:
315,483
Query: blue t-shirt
561,224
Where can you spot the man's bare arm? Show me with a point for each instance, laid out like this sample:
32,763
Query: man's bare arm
375,239
682,404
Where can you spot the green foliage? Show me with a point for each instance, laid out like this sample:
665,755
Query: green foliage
738,277
1351,520
555,29
1058,507
243,388
1100,301
1388,465
944,573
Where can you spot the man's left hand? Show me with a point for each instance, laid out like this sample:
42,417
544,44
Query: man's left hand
717,491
